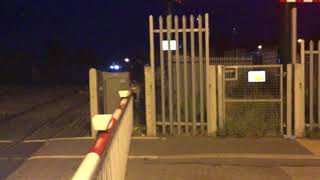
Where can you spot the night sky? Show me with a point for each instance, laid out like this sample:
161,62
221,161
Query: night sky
115,29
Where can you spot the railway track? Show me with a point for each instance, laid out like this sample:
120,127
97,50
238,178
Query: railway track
33,107
71,111
25,101
46,124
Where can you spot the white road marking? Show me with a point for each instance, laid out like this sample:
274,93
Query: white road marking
229,156
6,141
55,139
11,158
58,157
71,138
35,141
147,138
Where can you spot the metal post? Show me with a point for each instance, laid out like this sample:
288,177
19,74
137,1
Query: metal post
319,84
212,102
289,99
93,85
201,73
185,74
221,119
153,83
207,64
293,13
299,94
150,121
169,18
311,85
162,76
282,104
193,82
176,27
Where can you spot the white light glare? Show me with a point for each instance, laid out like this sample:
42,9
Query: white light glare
127,60
116,67
165,45
260,47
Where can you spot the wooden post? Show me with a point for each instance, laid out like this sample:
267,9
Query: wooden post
282,103
152,74
93,88
221,119
193,81
185,74
311,86
289,99
150,118
299,94
319,84
201,73
299,104
162,76
212,102
169,24
207,57
176,26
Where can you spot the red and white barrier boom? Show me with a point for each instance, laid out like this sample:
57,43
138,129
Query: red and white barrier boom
107,158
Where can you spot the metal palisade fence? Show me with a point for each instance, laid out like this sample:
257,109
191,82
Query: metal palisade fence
178,103
303,97
310,61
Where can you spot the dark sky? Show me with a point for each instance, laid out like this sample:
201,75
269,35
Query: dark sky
120,27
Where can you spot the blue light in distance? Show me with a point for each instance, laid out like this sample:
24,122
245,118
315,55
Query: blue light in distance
111,67
116,67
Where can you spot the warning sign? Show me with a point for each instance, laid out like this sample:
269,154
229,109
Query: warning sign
257,76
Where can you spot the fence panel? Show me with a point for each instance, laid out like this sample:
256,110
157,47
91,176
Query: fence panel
254,104
311,59
180,74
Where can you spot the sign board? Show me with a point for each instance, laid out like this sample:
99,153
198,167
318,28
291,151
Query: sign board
257,76
165,45
299,1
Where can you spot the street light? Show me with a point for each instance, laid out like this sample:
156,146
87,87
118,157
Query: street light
127,60
260,47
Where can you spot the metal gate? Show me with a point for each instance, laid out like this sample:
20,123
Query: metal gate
251,97
179,59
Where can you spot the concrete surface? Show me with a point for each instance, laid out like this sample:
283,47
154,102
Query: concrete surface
193,170
200,145
312,145
33,116
188,158
177,158
56,159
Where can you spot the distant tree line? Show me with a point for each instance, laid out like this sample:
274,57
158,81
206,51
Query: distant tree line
56,65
